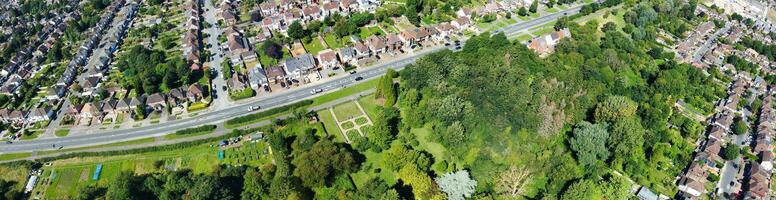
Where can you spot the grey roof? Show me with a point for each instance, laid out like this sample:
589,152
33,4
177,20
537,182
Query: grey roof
257,76
348,52
302,62
646,194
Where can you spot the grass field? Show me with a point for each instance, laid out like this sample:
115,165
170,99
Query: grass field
71,174
365,32
117,144
62,132
332,41
347,111
370,106
314,46
344,92
32,135
552,10
330,125
523,37
11,156
425,143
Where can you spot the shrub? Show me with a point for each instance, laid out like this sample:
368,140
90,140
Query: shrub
242,94
199,129
347,125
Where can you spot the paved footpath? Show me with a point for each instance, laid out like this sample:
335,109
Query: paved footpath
220,131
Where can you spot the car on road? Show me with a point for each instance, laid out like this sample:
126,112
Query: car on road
252,108
359,78
316,91
353,72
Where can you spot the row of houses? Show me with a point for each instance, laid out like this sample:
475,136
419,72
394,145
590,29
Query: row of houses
110,109
59,89
100,61
375,46
21,68
692,183
277,17
760,171
191,43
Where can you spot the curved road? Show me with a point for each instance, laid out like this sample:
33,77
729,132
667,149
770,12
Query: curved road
269,101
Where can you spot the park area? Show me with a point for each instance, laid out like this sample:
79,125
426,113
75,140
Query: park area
65,177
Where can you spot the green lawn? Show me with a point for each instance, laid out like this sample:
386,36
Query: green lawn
364,33
332,41
62,132
200,159
330,125
344,92
125,143
11,156
523,37
435,149
510,21
542,31
552,10
377,30
347,111
314,46
389,28
31,135
370,106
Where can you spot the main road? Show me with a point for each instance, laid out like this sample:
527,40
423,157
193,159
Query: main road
272,100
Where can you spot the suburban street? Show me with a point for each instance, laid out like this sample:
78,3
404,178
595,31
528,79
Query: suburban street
225,111
221,99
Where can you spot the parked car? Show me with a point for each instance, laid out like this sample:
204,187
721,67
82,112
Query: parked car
223,87
353,72
252,108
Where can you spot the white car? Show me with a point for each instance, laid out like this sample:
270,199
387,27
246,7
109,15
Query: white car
316,91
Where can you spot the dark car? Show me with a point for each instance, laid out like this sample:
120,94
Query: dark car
223,87
353,72
359,78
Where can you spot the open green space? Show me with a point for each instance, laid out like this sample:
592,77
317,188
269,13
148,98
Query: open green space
62,132
12,156
330,125
314,46
333,41
347,111
355,89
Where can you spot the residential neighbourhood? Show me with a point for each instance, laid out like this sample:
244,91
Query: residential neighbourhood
387,99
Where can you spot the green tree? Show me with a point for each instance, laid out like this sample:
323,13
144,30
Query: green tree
615,107
422,185
583,189
627,135
589,143
522,11
730,152
615,188
122,187
534,6
739,126
323,161
254,186
296,30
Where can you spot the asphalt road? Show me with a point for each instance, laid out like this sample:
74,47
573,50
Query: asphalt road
272,100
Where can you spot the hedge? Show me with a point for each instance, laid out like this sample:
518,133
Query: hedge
197,106
195,130
258,116
170,147
242,94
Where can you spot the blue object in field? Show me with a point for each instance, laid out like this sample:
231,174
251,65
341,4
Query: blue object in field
220,154
97,172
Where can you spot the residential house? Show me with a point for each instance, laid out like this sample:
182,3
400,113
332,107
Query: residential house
108,108
275,74
156,101
347,54
89,111
195,92
361,51
5,115
237,82
461,23
177,96
17,116
257,78
393,43
693,181
55,92
122,106
300,66
546,44
311,13
376,44
327,59
90,85
40,114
